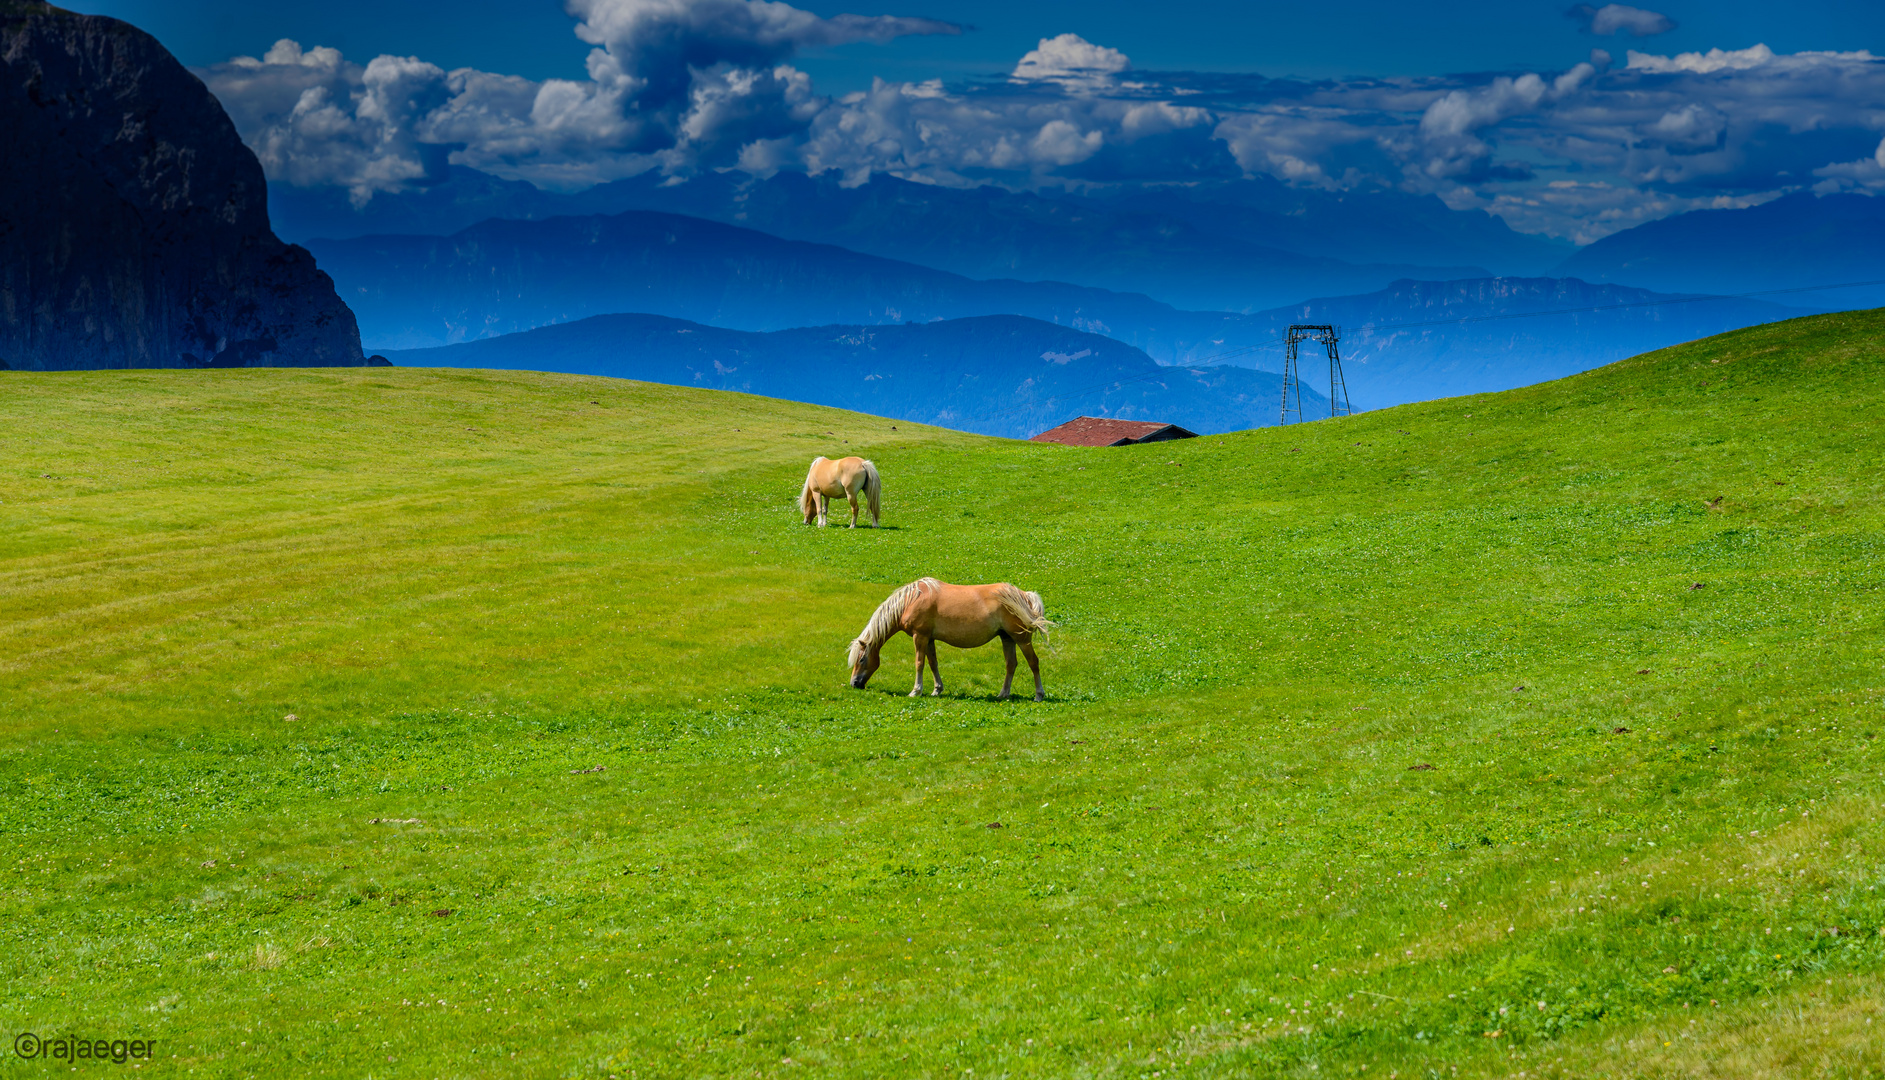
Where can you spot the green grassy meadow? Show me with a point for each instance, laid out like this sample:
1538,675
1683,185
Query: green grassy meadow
430,723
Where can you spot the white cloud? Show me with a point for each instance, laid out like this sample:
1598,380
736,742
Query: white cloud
1702,63
1297,144
1582,211
1061,143
1612,19
650,55
1159,118
1071,61
924,131
1448,127
1692,127
676,83
312,118
681,86
1866,174
1461,112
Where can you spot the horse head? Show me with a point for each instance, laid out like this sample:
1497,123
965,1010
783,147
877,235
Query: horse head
864,663
808,495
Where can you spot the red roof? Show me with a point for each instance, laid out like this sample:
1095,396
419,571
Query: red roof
1102,431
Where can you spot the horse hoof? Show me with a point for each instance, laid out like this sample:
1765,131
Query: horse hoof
916,693
1040,697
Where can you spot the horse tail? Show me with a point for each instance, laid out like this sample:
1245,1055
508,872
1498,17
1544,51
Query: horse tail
873,489
1026,607
808,495
886,619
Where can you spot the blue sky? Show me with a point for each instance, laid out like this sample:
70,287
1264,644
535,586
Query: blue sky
1568,123
1326,38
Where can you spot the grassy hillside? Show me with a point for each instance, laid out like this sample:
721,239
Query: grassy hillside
1527,734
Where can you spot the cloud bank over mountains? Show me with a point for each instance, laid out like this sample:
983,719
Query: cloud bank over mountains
685,85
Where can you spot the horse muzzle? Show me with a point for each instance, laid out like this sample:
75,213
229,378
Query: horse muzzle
857,683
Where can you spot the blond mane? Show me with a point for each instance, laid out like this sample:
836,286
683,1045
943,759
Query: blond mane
884,621
808,495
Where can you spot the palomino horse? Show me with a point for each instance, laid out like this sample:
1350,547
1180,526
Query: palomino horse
965,616
848,477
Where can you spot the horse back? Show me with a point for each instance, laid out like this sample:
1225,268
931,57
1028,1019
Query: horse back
966,615
835,479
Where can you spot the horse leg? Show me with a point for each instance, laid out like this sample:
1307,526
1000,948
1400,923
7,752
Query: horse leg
822,507
1007,653
923,646
1034,665
934,670
852,495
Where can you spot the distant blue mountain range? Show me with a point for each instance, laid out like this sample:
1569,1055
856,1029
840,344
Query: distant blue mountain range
1435,302
500,277
998,375
1419,340
503,277
1232,246
1792,241
1242,245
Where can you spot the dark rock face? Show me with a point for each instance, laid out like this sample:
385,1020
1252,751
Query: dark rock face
133,222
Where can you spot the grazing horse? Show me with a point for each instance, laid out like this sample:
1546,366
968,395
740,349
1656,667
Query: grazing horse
965,616
848,477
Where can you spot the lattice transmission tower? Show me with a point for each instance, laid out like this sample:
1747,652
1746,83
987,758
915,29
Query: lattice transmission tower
1329,337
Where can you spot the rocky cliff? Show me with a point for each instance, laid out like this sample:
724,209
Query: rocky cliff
133,222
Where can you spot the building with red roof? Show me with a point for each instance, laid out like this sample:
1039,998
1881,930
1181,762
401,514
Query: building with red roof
1104,431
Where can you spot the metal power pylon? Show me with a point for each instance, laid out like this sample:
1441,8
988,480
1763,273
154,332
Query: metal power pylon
1292,371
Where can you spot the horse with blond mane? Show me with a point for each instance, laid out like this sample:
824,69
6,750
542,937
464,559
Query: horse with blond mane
847,477
966,616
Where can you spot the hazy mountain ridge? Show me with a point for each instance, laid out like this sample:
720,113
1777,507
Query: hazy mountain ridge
1265,244
135,231
1183,251
1793,241
1513,341
998,375
454,202
504,277
1223,245
1374,226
